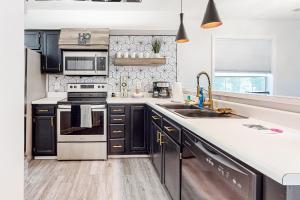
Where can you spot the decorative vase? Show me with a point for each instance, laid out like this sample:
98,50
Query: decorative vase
147,55
126,54
156,55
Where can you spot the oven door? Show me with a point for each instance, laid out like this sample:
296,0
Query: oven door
67,133
85,63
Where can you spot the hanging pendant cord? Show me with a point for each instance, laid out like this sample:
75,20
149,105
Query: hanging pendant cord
181,6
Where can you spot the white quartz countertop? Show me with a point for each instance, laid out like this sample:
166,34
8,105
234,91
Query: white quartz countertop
275,155
48,100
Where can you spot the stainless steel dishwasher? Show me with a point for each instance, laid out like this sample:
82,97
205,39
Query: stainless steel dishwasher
209,174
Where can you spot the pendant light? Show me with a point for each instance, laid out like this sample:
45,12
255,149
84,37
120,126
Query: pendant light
181,34
211,17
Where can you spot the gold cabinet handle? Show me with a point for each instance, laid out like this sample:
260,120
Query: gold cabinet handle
160,139
117,110
155,117
117,131
158,133
117,146
52,124
41,110
169,129
117,119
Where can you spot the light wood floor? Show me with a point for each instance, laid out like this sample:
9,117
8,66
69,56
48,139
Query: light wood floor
115,179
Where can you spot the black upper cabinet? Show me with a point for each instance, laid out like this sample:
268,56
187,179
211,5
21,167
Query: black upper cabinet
33,40
51,52
138,129
45,42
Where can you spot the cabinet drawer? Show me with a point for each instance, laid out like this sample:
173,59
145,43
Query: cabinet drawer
117,130
117,119
117,145
156,118
117,109
172,130
44,110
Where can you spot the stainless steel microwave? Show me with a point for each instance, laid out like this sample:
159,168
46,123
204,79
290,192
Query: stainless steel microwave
91,63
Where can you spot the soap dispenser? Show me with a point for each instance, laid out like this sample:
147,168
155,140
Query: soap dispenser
201,98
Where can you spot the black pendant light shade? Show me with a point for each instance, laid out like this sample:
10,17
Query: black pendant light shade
181,34
211,17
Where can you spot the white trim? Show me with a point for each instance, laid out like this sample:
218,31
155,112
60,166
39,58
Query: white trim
287,100
128,156
45,157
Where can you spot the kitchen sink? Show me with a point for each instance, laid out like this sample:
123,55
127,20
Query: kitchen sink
178,106
199,113
192,111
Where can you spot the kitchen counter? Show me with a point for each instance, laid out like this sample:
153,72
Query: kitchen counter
275,155
48,100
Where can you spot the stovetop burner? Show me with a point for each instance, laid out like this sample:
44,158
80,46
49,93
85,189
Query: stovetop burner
81,102
83,93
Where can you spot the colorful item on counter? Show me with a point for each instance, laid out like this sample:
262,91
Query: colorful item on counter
201,98
276,130
260,128
189,98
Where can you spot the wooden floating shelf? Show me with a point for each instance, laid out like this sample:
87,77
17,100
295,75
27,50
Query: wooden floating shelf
139,61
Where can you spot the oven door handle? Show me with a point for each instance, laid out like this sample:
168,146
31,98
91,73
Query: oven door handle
218,158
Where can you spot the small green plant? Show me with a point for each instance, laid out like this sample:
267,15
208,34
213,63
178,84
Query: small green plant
156,45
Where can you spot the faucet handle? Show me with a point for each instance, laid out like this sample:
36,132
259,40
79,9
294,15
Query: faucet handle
198,91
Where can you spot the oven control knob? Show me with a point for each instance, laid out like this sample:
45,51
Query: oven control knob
102,86
71,86
98,86
75,86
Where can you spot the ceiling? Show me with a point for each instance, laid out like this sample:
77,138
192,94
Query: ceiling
228,9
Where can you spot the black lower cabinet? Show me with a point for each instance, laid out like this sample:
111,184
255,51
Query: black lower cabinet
127,132
171,152
44,137
138,129
156,149
44,130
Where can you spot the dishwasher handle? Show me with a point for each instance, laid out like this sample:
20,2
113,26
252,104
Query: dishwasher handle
218,157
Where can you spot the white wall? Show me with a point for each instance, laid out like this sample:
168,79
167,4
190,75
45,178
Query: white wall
196,56
11,101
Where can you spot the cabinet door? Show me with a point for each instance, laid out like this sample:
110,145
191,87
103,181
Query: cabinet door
138,129
44,137
33,40
156,149
51,52
171,166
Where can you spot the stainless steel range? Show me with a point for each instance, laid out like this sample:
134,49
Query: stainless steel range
82,142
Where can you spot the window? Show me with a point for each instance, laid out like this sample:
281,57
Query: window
243,65
243,83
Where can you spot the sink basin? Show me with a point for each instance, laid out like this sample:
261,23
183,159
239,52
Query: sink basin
178,106
192,111
200,113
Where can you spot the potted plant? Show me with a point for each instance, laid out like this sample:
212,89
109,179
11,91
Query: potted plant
156,45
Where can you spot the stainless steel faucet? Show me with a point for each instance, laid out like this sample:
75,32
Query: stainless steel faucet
210,101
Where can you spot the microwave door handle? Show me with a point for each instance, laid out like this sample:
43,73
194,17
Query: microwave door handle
218,158
95,63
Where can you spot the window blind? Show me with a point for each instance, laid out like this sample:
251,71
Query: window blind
243,55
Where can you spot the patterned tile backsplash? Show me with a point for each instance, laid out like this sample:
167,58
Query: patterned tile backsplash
144,75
